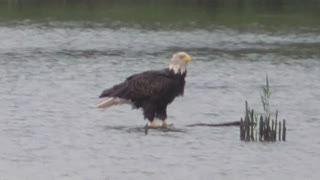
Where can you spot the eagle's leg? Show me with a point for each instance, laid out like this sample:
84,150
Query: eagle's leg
149,114
153,124
164,124
162,114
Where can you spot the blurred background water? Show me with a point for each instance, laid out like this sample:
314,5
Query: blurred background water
57,56
168,14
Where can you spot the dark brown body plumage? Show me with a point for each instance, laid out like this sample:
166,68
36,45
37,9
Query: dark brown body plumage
151,90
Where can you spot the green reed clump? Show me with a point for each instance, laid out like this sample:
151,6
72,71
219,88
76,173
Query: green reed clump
262,127
265,98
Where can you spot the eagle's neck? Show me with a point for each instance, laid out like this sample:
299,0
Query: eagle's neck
178,68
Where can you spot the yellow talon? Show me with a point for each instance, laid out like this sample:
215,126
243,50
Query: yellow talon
153,125
164,124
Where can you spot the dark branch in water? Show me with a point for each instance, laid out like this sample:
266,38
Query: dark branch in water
235,123
146,128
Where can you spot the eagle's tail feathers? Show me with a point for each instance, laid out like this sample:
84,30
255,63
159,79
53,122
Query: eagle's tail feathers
120,90
111,101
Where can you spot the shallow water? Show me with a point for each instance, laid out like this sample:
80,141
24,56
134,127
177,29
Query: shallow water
51,77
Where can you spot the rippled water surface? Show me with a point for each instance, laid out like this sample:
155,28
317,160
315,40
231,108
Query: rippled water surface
51,77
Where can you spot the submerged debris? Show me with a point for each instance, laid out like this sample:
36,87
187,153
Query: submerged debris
235,123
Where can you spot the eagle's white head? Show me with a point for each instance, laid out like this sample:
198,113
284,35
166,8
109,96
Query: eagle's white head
179,62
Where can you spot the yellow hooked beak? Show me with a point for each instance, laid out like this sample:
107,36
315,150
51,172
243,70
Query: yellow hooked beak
187,58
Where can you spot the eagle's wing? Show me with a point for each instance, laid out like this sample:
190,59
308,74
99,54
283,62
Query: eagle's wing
144,86
149,84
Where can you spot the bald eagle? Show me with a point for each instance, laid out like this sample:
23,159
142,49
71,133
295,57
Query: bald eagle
151,90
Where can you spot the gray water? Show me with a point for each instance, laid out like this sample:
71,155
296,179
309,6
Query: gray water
51,77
